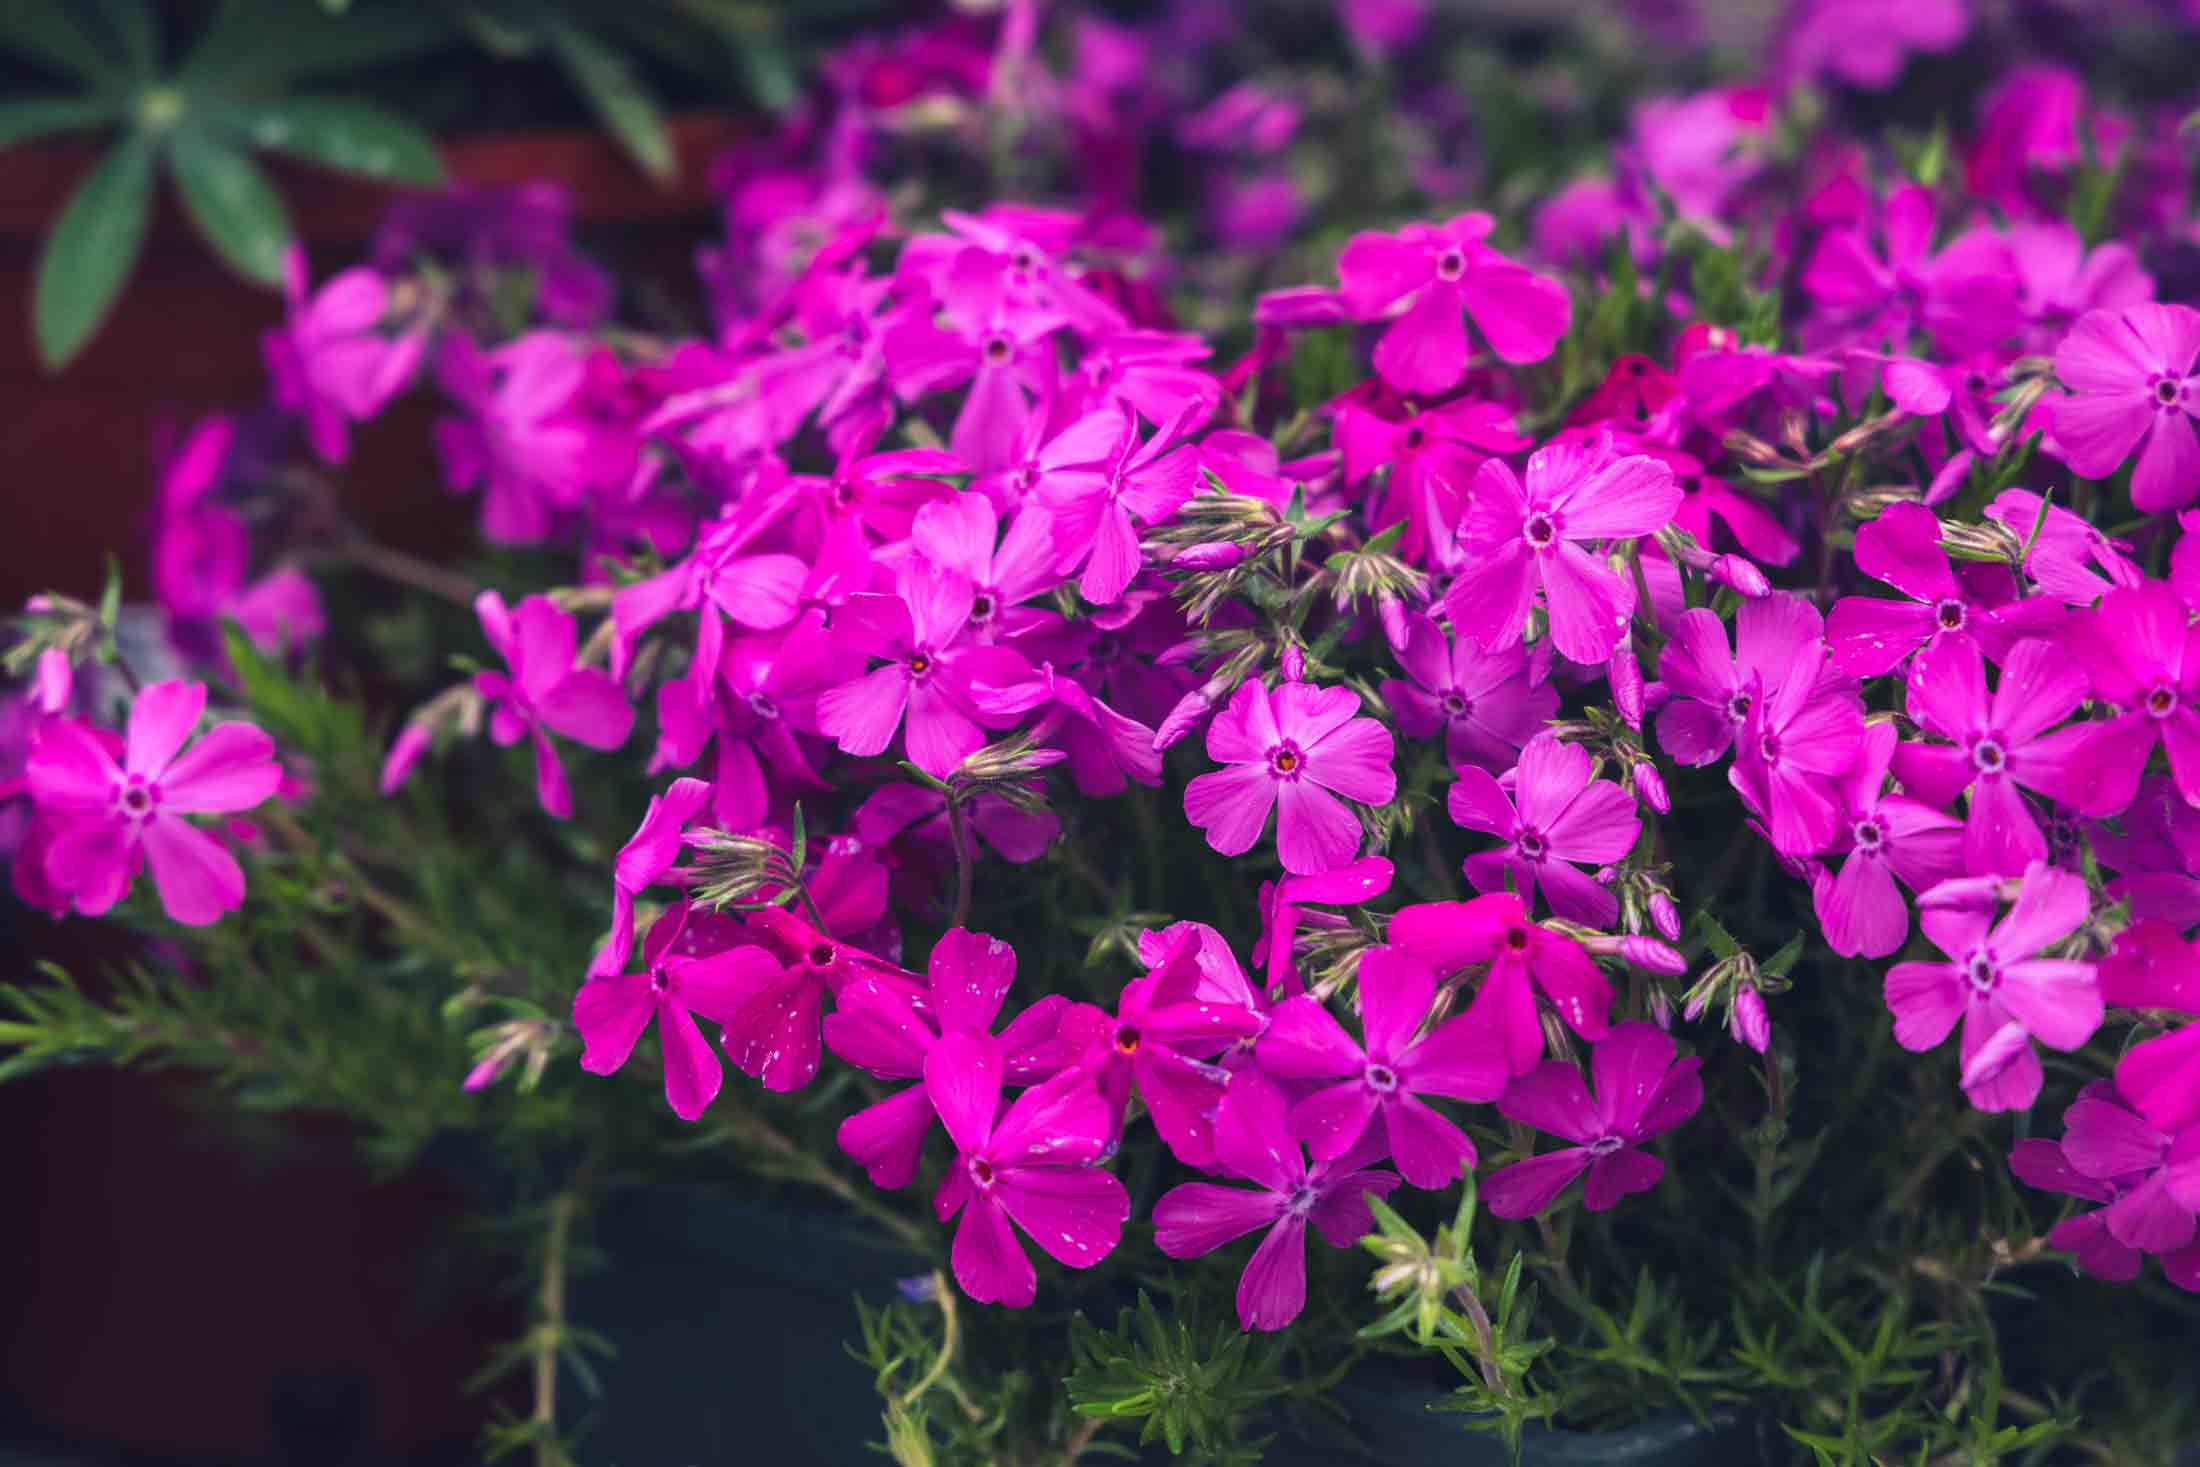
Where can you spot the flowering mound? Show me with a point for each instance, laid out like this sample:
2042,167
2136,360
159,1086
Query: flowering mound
1144,763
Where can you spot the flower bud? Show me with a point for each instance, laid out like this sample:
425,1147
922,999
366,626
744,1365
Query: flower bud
1742,575
1651,786
405,751
1661,1007
1749,1023
55,680
1625,672
1294,664
1210,555
1665,916
1182,719
1653,956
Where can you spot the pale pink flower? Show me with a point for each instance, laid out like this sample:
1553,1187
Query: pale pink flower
1293,751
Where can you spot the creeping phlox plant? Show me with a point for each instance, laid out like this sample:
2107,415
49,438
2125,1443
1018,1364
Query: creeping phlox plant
1633,753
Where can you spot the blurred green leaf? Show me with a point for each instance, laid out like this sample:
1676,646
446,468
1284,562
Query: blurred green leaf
348,136
608,80
93,245
132,25
257,41
232,203
35,117
45,32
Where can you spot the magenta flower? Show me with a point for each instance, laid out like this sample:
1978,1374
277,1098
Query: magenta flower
1252,1141
108,819
1801,731
957,536
1713,689
1434,272
2069,559
1281,901
1641,1093
1030,1166
946,682
1870,635
329,361
1523,538
2107,1141
1995,745
2134,651
647,855
547,691
1487,704
2153,967
1965,295
1293,750
1886,837
1387,1074
756,697
673,987
1006,356
1522,959
1995,982
1432,456
1557,812
775,1031
519,438
882,1028
2131,377
1109,484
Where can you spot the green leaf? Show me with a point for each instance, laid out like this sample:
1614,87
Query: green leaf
258,41
132,25
232,203
335,132
93,245
36,117
45,32
607,79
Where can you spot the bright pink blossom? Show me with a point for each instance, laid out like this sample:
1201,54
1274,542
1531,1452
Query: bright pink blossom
109,818
1438,271
1711,689
1293,750
1253,1141
1801,731
1522,958
1556,813
1281,904
1387,1074
1996,982
1641,1093
643,861
1486,704
547,691
330,362
2153,967
1870,635
1110,483
2133,386
1885,837
2137,650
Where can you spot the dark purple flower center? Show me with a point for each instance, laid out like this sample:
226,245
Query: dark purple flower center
996,350
1951,615
981,606
1103,648
1454,705
659,979
1982,973
1127,1038
1532,845
1382,1079
1023,259
1450,265
1541,531
981,1171
821,955
1415,438
919,664
2165,392
1516,938
136,798
1286,761
1768,748
2161,702
1869,837
762,706
1988,756
1605,1145
1301,1199
1737,707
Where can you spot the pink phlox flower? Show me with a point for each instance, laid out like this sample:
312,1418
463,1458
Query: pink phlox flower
1997,984
1282,908
329,361
2152,966
1521,538
718,576
2133,386
2107,1141
959,535
1957,394
1636,396
1153,371
1708,502
1253,1142
1964,295
1556,813
1486,704
1432,456
1801,731
1428,275
1642,1092
757,699
1701,151
648,855
519,437
1709,690
881,492
1219,976
1871,635
1030,1166
1026,249
1865,43
2069,559
2155,846
673,987
947,682
109,816
2062,280
1105,750
839,370
887,1030
1109,483
2137,650
914,818
1521,957
1162,1038
775,1028
202,553
547,691
1248,117
1388,1072
1997,744
2027,134
1005,356
1884,837
1294,750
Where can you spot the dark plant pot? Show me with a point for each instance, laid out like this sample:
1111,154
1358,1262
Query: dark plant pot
731,1320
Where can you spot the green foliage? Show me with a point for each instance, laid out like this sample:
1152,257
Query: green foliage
1188,1385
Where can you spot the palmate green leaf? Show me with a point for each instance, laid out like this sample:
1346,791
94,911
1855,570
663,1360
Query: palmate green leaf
97,239
37,117
253,42
232,203
47,32
335,132
616,94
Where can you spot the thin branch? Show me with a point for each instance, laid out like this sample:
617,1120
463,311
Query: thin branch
550,1330
407,570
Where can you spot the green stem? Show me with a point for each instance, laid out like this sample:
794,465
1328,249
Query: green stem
550,1330
957,832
